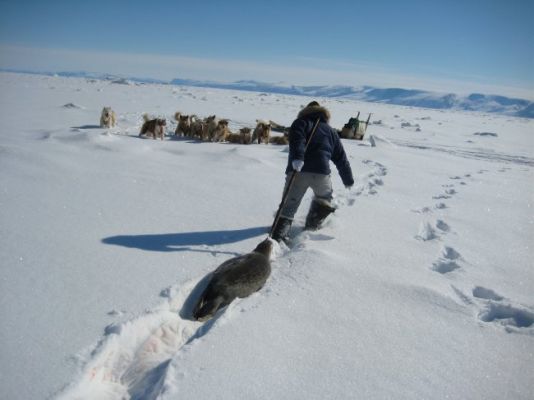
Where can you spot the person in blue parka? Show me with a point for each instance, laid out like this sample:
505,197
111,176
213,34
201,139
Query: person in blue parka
312,165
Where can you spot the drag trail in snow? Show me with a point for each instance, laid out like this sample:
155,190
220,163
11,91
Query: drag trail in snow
132,359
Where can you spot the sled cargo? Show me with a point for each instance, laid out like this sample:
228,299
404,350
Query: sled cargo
355,128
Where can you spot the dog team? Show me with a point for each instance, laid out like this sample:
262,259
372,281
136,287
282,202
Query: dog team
212,129
209,129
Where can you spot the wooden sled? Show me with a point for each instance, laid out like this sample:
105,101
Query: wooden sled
355,128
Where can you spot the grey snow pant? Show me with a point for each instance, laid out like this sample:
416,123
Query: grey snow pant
320,184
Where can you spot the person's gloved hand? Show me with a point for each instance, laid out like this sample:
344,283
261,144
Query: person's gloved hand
297,165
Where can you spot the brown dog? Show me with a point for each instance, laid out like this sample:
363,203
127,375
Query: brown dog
197,128
221,131
211,123
246,136
234,138
262,132
177,119
184,126
243,137
154,128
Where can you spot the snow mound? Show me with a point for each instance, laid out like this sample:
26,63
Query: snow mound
73,106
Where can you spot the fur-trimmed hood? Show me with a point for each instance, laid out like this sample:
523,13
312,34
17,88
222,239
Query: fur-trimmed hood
315,111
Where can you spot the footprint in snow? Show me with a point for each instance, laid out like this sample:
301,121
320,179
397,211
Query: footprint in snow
449,253
379,169
428,231
448,260
444,266
497,310
486,294
442,226
447,194
512,318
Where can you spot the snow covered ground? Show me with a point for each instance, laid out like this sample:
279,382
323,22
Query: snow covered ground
419,286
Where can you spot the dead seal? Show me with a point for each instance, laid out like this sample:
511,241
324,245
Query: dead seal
238,277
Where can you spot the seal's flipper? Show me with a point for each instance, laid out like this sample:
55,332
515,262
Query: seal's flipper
207,307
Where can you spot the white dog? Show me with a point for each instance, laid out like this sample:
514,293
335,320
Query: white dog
107,118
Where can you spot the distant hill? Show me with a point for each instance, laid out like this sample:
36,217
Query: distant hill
415,98
406,97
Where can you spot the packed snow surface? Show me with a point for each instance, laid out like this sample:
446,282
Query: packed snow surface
419,286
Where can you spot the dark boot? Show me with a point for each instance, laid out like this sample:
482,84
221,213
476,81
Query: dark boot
318,212
281,230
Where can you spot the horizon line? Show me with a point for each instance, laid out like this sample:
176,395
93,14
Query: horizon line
149,80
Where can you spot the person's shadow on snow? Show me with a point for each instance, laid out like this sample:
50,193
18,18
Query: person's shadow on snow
182,241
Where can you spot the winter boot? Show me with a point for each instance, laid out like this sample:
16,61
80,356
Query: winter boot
281,230
319,210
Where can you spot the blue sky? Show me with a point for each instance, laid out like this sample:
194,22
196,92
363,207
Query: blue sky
464,44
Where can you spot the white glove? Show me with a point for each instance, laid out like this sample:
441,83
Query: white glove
297,165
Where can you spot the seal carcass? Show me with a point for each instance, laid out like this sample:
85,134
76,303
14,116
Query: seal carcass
238,277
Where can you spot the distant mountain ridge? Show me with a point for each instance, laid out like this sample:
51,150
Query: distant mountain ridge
398,96
406,97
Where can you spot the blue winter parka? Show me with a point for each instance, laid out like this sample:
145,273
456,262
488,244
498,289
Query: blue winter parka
325,145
